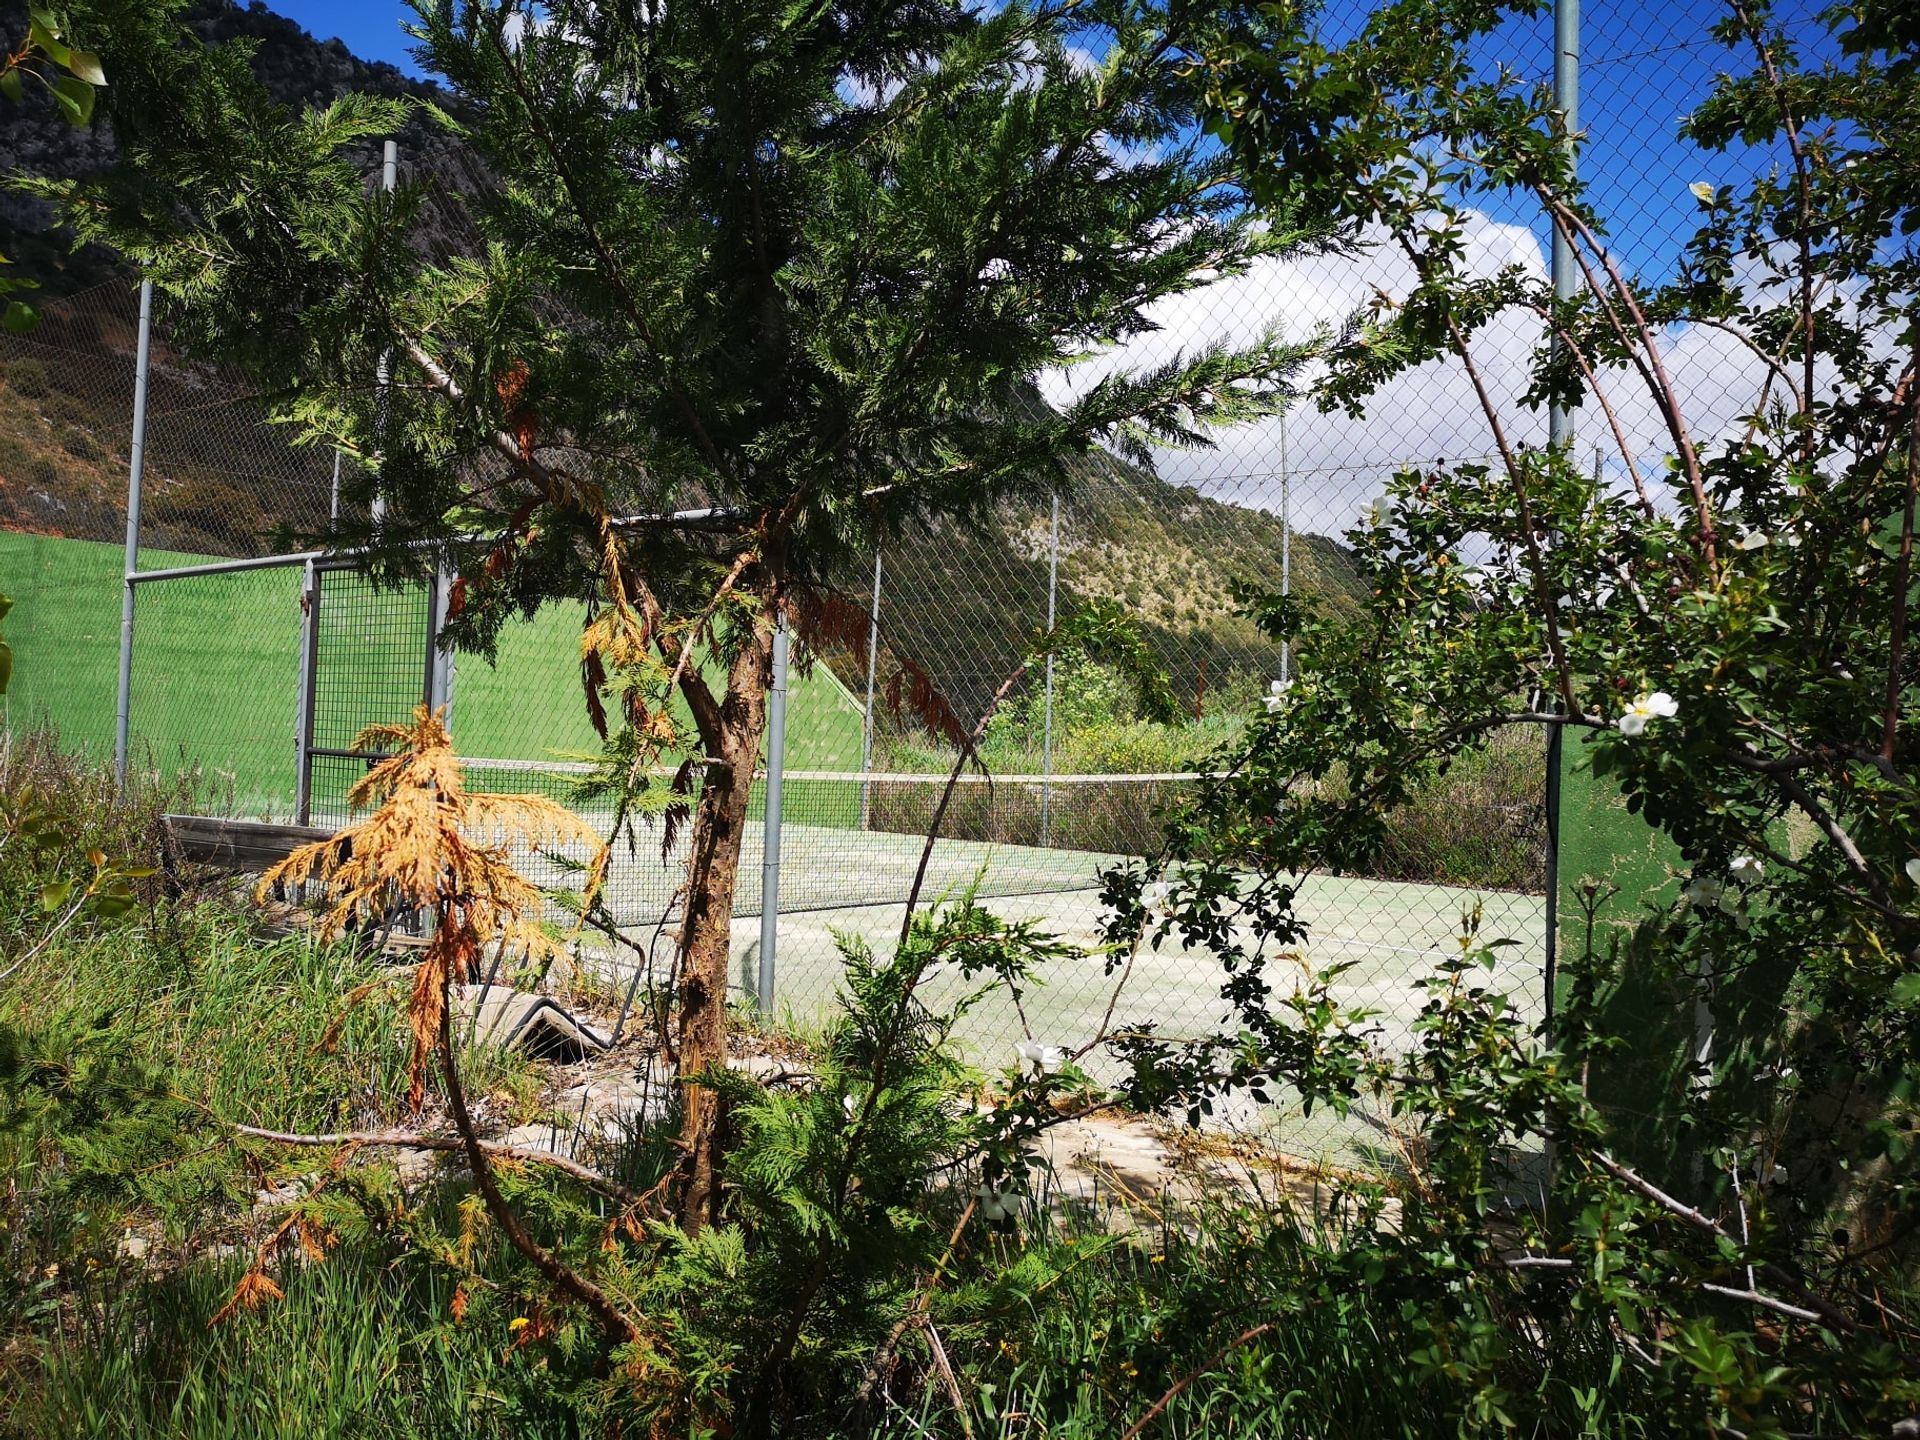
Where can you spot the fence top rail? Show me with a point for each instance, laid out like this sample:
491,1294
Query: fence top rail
351,556
856,777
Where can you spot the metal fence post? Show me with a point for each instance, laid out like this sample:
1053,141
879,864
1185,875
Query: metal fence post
1566,94
303,719
1566,99
866,723
439,660
1046,731
770,833
1286,545
137,452
389,177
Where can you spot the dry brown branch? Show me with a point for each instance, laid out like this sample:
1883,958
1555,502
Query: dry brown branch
1173,1393
412,1140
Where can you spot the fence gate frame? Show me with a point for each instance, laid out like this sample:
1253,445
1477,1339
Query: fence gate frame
436,666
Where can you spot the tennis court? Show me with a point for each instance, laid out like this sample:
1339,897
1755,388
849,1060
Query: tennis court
848,882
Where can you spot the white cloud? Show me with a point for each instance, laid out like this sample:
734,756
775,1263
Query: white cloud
1431,413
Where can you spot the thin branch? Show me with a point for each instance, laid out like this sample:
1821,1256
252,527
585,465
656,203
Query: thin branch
47,939
1803,234
561,1275
615,272
1835,832
1765,1302
1652,369
968,751
1181,1384
409,1140
1511,461
1606,406
1823,1310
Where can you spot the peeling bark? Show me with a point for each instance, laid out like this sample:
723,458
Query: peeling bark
713,872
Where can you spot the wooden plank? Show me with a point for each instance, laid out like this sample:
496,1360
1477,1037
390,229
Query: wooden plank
248,846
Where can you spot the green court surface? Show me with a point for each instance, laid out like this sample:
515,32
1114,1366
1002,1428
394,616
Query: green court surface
216,683
837,882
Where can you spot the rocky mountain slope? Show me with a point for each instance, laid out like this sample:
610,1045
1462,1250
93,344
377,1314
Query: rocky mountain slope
963,604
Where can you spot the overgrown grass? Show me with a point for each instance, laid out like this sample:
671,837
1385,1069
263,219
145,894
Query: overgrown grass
144,1037
1482,824
129,1048
364,1344
1243,1321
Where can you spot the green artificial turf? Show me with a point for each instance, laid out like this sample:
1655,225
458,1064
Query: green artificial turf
215,678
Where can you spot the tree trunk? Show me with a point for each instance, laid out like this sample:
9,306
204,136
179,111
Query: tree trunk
706,935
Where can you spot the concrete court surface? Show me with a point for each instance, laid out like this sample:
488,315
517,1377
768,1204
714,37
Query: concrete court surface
855,883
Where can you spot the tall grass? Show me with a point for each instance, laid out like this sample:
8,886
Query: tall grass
363,1345
1076,1336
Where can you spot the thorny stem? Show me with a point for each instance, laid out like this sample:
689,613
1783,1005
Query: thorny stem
1606,407
1508,458
1804,231
1665,396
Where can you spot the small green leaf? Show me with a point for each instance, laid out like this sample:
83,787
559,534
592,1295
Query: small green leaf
85,65
10,85
54,894
1906,990
16,317
75,97
6,666
42,35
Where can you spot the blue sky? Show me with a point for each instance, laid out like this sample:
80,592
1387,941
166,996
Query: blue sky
370,28
1644,67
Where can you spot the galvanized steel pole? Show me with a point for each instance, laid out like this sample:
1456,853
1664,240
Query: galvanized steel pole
1046,733
303,715
1566,93
1286,543
866,723
137,453
770,831
389,177
1566,99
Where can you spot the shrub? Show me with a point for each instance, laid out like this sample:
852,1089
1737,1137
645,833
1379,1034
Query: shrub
82,445
27,377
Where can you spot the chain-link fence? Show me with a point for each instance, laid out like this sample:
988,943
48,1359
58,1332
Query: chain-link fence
260,678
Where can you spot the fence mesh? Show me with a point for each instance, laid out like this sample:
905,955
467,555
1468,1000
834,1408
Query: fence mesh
1080,778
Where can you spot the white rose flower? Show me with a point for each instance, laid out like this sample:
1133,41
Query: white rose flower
1040,1059
1745,868
1158,898
1751,540
1276,695
1913,871
1657,706
989,1202
1703,892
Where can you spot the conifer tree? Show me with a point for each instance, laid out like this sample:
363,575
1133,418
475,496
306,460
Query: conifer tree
761,284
